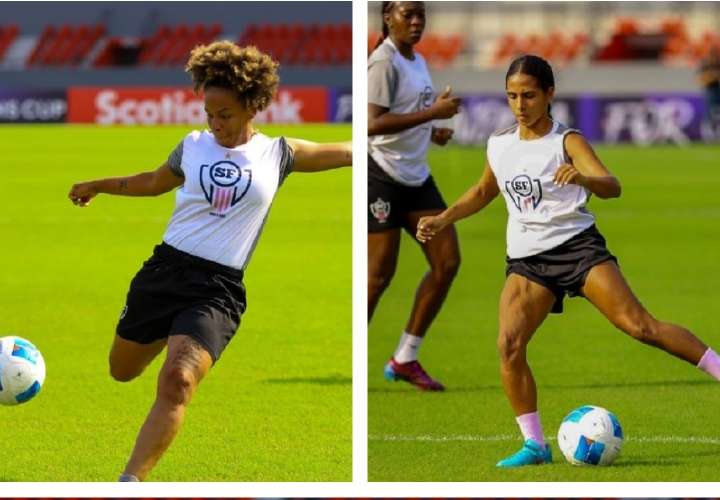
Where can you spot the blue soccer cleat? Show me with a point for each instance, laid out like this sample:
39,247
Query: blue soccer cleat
532,453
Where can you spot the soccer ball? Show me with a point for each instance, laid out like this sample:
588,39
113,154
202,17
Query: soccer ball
590,435
22,370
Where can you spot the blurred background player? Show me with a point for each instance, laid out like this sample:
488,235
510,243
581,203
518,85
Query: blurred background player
401,108
546,172
709,78
189,295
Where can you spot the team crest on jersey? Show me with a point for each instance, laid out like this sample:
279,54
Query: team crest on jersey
380,209
224,184
526,193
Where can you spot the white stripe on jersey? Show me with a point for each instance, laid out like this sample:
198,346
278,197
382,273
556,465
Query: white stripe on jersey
541,215
222,207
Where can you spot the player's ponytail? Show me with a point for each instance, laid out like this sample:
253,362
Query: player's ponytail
386,8
536,67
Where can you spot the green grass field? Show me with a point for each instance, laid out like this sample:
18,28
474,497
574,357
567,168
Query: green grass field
276,407
664,230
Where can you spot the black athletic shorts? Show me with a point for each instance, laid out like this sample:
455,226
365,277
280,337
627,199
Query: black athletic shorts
389,202
564,268
176,293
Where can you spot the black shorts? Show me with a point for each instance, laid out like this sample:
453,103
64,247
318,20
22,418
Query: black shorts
390,202
176,293
564,268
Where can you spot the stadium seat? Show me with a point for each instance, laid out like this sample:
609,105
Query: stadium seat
302,44
47,36
7,37
66,45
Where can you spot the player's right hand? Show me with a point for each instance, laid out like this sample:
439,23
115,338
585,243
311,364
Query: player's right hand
446,106
81,193
428,227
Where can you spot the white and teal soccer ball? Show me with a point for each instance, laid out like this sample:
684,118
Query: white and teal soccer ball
22,370
590,435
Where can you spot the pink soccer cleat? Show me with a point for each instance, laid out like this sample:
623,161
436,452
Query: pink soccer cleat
413,373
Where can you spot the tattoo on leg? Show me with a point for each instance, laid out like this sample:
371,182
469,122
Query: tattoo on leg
123,184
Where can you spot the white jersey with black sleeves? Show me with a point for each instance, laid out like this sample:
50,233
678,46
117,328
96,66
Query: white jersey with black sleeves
222,207
402,86
541,215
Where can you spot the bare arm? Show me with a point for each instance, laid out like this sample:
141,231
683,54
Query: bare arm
381,121
316,157
475,199
152,183
586,169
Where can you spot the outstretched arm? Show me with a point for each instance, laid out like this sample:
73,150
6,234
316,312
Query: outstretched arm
152,183
586,169
315,157
381,121
474,200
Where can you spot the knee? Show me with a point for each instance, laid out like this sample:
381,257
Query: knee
446,269
379,280
511,346
123,373
176,385
641,327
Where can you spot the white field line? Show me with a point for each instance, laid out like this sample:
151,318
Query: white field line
508,437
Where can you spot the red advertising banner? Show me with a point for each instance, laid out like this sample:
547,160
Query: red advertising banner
178,105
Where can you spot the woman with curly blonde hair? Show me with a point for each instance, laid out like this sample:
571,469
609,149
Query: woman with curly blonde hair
189,296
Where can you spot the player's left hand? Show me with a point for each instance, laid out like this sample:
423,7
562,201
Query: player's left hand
568,174
441,136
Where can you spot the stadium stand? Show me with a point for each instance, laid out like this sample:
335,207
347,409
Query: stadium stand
7,37
327,44
490,34
157,35
439,50
315,45
64,45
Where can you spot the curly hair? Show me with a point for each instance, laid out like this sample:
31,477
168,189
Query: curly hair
252,74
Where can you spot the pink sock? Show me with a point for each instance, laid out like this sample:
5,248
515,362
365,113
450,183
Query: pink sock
530,427
710,363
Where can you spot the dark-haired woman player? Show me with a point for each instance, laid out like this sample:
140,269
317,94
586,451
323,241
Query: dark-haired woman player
546,172
189,295
401,108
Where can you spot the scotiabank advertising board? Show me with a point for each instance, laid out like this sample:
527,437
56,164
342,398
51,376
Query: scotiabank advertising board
177,105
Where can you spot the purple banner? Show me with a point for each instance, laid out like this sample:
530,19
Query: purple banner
480,116
33,106
340,105
650,119
653,119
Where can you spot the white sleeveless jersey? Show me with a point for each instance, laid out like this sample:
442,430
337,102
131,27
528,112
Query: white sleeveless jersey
541,215
402,86
221,208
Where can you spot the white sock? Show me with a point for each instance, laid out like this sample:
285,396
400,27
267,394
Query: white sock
128,478
407,348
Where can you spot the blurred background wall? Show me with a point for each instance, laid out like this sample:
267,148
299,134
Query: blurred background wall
49,48
622,69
